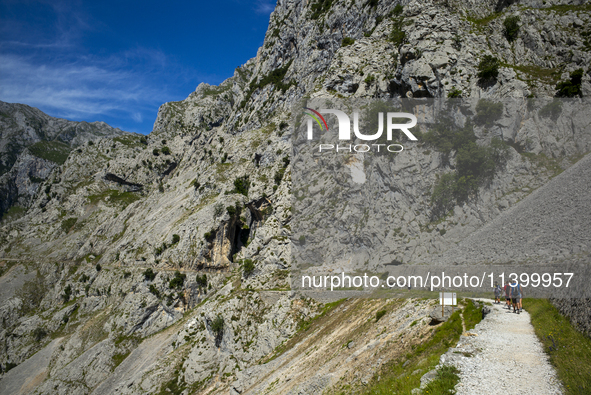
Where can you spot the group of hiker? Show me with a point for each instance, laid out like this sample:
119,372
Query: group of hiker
512,295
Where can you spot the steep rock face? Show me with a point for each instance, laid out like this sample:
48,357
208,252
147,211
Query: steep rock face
32,144
215,197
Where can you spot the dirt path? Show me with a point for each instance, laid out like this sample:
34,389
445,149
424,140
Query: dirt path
502,355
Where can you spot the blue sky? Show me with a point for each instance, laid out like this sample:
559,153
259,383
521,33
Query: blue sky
118,61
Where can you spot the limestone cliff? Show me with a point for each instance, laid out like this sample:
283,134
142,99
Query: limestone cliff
162,264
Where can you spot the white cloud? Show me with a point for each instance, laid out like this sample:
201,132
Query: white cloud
76,89
264,6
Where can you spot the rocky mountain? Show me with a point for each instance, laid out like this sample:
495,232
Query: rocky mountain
32,145
162,265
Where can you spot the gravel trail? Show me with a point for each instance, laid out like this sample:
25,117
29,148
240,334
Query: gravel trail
502,355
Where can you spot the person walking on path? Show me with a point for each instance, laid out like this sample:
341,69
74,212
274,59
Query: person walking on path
516,296
498,291
508,294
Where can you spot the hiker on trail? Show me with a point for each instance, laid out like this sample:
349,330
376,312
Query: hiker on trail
498,291
508,294
516,296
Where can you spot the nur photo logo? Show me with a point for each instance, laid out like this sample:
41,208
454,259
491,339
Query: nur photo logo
315,117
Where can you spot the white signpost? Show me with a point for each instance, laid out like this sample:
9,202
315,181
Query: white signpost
447,299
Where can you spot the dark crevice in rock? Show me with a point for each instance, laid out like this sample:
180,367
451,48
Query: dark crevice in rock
114,178
172,166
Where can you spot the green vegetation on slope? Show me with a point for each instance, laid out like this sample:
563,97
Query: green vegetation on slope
396,377
54,151
568,349
115,197
475,164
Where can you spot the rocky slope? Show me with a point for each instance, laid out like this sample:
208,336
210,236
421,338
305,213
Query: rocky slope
208,193
32,145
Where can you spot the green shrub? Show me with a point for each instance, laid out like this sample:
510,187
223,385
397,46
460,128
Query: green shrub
68,224
166,150
39,334
161,249
319,7
275,78
380,314
217,325
397,35
454,93
156,151
149,275
474,164
370,78
201,281
511,24
248,267
241,185
572,87
154,291
178,280
487,112
279,176
98,267
443,197
209,236
445,136
231,210
398,9
175,238
488,69
67,293
347,41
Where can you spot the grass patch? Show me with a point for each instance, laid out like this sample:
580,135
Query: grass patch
472,314
535,73
541,160
215,90
118,358
13,213
53,151
304,325
115,197
563,9
131,141
568,349
445,382
397,379
482,22
68,224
